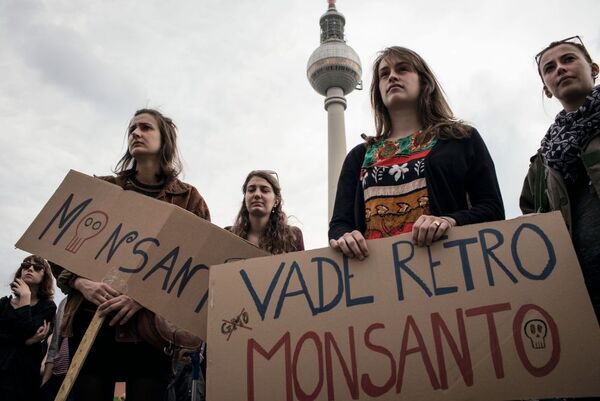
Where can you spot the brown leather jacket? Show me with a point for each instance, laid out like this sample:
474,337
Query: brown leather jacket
175,192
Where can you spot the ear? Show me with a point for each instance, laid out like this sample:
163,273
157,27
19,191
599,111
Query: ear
595,70
547,92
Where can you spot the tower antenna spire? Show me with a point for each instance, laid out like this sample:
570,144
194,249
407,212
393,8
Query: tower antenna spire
334,70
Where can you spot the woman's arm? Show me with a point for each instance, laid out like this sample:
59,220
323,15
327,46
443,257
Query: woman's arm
28,321
481,185
344,234
342,219
197,205
299,242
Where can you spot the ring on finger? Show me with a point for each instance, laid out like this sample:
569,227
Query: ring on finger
436,223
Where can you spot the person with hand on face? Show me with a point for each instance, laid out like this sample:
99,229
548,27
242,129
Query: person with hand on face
25,323
261,219
565,173
424,171
150,166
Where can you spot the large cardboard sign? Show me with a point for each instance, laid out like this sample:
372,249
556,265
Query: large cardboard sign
494,311
155,252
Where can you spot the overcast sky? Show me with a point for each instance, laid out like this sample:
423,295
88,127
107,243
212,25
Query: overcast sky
232,74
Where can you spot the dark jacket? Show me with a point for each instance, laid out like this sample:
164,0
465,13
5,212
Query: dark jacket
545,190
175,192
461,183
20,363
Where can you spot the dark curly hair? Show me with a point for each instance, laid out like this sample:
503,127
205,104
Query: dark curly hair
46,287
278,236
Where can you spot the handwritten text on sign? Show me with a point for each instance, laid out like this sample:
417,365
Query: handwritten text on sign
486,312
153,251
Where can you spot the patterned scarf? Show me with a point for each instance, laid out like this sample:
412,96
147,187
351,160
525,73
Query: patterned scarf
570,133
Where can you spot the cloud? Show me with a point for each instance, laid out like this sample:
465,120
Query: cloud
63,56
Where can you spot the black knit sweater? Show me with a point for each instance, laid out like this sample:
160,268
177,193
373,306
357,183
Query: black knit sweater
461,182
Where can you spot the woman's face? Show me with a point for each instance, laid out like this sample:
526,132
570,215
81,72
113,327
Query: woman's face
144,136
32,274
259,197
567,74
398,82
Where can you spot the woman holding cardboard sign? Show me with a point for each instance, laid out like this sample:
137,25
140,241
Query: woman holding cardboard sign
150,166
25,320
424,171
261,219
565,173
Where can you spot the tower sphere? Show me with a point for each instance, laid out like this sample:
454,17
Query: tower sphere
334,64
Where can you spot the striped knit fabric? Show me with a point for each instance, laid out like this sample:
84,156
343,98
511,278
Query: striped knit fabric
393,180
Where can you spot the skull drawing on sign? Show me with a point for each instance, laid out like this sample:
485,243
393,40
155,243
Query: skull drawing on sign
536,330
89,226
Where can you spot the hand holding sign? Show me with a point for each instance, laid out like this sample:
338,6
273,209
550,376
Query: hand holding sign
123,306
485,313
95,292
161,263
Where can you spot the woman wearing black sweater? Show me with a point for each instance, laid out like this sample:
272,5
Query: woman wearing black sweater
424,171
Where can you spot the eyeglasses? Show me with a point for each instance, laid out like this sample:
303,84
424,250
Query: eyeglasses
37,268
574,40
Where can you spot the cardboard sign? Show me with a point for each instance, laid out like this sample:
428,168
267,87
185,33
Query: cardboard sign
153,251
495,311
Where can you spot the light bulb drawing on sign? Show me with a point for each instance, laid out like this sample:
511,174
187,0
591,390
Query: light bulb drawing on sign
89,226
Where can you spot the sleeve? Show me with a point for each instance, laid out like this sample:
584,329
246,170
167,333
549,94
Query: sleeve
23,322
482,187
343,218
64,278
533,197
526,202
55,343
299,243
197,205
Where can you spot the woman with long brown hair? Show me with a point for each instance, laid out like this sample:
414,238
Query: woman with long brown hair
261,219
150,166
25,320
423,172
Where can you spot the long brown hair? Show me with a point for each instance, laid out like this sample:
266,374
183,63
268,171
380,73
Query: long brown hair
170,163
46,288
278,236
434,112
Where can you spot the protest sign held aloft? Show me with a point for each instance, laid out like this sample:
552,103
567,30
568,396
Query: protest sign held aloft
494,311
155,252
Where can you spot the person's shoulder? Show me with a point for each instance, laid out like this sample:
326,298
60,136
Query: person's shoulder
360,148
357,153
46,304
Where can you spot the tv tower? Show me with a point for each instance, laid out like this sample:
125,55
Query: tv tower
334,70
